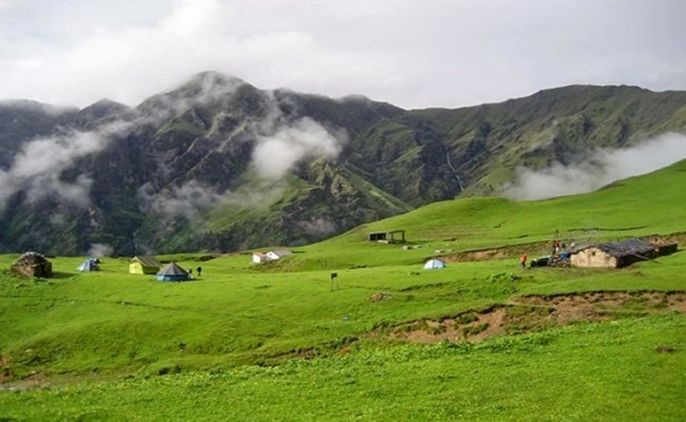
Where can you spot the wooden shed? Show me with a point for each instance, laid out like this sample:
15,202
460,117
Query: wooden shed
392,236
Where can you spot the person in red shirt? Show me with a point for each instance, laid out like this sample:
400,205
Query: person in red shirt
522,260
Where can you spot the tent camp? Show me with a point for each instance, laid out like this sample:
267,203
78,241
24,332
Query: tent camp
172,272
434,264
144,265
91,264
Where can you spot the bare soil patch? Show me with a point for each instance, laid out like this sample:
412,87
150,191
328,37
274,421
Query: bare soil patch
29,383
380,296
535,313
5,369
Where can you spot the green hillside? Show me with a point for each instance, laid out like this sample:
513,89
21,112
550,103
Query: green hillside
642,205
281,342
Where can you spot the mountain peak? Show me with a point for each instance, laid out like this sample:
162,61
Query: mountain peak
105,104
201,87
209,81
214,77
105,109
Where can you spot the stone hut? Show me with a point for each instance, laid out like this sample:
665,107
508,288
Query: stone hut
614,254
32,264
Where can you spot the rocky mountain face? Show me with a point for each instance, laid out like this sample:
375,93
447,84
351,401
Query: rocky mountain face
217,164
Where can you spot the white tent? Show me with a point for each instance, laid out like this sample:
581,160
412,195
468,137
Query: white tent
434,264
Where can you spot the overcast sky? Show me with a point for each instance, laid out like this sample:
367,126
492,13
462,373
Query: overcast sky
411,53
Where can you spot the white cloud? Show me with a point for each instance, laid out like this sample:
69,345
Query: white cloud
602,168
277,153
98,250
38,168
186,200
432,53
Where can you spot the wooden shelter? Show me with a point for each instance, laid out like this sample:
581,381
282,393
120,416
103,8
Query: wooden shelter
392,236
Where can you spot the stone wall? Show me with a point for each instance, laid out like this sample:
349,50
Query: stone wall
593,258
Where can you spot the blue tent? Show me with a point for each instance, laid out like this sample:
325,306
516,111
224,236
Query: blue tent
172,272
91,264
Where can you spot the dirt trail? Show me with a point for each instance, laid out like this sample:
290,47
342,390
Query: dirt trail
535,313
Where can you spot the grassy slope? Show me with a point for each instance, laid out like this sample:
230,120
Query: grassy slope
108,324
642,205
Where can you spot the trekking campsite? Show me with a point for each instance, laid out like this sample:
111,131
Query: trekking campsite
442,210
449,311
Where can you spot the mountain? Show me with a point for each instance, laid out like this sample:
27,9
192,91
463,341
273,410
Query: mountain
218,164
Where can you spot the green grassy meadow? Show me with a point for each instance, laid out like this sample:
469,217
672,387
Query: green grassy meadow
278,343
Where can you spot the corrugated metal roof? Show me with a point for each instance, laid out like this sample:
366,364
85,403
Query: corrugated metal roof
282,252
626,247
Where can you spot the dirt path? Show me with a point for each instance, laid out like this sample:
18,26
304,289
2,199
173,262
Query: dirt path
535,313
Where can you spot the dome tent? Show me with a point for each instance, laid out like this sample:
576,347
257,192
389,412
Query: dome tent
172,272
434,264
91,264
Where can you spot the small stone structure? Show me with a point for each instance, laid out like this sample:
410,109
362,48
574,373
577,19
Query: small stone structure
393,236
621,253
32,264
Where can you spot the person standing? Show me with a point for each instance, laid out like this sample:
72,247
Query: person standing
522,260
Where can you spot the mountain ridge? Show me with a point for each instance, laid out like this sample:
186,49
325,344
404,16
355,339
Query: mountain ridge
180,171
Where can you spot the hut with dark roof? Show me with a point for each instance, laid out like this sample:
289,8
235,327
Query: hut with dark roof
614,254
32,264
